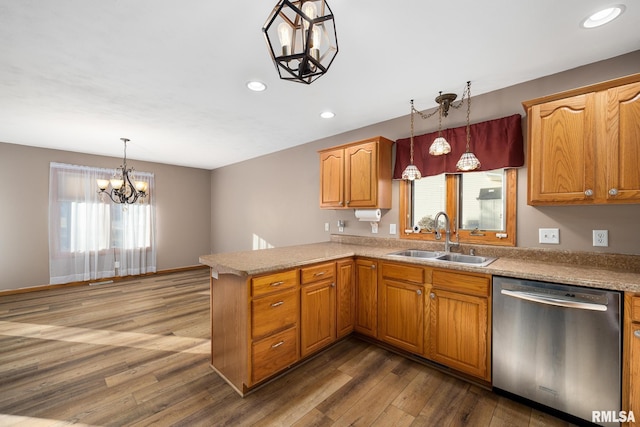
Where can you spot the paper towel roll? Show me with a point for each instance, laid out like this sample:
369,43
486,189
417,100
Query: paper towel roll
368,214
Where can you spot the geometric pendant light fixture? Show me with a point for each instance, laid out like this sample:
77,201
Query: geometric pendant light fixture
302,40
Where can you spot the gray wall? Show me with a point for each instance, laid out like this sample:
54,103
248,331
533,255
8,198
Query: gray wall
183,199
276,196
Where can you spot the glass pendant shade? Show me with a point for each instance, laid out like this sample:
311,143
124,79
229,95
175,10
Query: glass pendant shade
439,147
468,162
411,173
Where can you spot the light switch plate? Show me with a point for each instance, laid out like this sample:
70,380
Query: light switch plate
549,236
392,229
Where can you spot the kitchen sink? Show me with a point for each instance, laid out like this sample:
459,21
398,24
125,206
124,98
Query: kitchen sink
417,253
478,261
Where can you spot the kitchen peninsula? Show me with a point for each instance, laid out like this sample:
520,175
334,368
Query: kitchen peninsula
273,308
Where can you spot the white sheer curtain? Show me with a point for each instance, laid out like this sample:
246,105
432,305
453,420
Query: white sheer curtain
88,235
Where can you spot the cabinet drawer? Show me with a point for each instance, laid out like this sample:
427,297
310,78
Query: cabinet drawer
273,354
462,282
273,282
317,272
274,312
405,273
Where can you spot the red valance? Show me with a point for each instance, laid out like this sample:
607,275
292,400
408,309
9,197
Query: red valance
496,143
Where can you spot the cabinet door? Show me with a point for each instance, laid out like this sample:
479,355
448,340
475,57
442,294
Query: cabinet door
459,332
317,316
366,297
561,151
345,298
623,143
634,368
361,176
401,314
332,179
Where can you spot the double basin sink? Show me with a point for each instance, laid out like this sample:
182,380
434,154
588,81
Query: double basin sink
447,257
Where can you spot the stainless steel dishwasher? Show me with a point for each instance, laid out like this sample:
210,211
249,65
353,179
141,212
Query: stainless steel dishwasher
558,345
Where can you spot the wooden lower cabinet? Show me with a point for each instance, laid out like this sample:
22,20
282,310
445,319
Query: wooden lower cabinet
345,297
460,322
631,356
317,316
401,306
366,289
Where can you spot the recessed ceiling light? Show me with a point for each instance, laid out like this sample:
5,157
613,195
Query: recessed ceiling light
256,86
327,114
603,16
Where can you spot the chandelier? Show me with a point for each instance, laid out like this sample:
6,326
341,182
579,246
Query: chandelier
124,188
440,145
306,33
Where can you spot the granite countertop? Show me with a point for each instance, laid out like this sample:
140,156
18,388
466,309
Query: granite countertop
249,263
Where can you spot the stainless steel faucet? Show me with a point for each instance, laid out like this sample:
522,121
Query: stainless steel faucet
447,230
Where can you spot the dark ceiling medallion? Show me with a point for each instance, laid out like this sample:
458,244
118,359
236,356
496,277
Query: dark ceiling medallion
305,39
445,100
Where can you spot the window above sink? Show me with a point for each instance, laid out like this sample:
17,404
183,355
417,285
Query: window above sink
481,205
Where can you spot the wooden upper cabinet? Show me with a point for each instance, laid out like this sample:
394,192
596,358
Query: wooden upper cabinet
332,179
584,145
623,143
356,175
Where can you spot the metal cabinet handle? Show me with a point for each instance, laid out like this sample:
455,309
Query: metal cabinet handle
588,192
333,285
320,273
432,295
340,203
613,192
277,304
348,201
636,333
278,344
419,292
276,283
373,266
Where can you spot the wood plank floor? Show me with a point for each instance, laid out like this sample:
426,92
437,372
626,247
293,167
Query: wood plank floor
136,353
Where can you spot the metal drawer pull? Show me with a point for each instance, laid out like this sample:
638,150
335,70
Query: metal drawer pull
432,295
636,333
588,192
277,304
277,283
613,192
320,273
278,344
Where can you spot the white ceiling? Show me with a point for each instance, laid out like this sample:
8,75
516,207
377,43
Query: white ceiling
170,75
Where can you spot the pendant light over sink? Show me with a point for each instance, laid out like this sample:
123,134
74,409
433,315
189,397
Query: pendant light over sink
305,38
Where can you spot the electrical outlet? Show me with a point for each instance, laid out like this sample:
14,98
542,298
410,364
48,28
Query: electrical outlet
392,229
549,236
326,226
116,264
600,237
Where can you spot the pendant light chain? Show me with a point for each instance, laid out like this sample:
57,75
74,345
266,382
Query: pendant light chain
468,91
412,110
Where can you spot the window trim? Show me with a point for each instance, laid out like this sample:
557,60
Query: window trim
485,237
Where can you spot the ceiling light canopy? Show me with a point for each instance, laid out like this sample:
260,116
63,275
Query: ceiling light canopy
305,38
603,16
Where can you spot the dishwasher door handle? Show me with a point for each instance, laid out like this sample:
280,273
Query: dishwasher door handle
545,299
